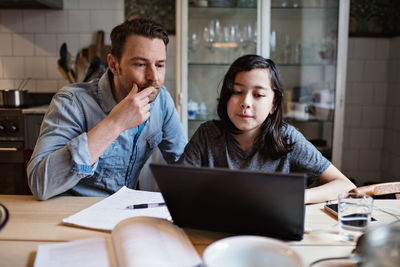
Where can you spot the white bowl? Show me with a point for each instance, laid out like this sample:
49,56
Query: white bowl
250,251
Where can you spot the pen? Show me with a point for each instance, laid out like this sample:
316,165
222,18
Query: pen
146,205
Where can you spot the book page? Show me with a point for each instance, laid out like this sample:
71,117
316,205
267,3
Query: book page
91,252
146,241
105,214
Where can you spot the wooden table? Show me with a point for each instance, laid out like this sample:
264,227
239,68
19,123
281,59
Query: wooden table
35,222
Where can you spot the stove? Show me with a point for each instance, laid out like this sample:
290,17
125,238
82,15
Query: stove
13,152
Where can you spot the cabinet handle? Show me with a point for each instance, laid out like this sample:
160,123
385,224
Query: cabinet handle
8,148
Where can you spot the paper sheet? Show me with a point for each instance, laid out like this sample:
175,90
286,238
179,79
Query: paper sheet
90,252
105,214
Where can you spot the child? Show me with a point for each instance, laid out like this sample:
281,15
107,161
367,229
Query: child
251,133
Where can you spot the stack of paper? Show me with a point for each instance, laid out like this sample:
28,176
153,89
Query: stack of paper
107,213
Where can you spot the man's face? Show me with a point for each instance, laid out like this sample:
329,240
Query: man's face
142,63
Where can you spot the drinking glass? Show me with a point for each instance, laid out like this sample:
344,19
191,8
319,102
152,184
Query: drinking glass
354,215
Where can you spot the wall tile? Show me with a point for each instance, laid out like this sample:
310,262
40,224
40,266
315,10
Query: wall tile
355,70
56,21
377,138
373,116
5,44
393,66
397,123
11,20
370,160
71,4
350,159
102,20
376,70
379,94
23,45
34,21
119,17
350,48
394,48
382,49
35,67
359,138
393,92
364,48
79,21
362,93
46,45
46,86
116,4
7,84
89,4
52,68
85,40
349,86
352,116
14,67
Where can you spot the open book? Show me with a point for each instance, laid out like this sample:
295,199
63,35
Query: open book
138,241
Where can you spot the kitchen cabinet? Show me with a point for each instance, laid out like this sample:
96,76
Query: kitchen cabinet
33,118
31,4
306,38
32,129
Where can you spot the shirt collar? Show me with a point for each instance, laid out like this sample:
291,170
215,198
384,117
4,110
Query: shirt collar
106,98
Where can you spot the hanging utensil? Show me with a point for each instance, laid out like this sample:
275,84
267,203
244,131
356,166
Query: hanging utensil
63,64
23,83
93,68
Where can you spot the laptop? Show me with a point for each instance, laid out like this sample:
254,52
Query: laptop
234,201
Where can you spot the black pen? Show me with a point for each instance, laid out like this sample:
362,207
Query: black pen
146,205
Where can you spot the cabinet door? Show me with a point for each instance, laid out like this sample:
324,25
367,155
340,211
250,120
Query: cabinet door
32,129
306,38
214,34
304,43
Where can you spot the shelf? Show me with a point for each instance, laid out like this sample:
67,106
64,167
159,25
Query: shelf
279,64
221,12
208,8
303,7
209,64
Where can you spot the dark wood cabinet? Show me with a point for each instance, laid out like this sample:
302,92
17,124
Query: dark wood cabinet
32,129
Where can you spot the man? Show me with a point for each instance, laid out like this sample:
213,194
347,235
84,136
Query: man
96,136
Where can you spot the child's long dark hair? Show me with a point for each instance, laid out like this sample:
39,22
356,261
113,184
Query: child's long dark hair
270,141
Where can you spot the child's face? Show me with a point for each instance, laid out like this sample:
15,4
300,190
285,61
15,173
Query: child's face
252,100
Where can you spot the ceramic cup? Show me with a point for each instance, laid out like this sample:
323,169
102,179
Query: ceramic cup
248,250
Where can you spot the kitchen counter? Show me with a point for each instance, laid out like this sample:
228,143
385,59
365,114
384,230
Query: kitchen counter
36,110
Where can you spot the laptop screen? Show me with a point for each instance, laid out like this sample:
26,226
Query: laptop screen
234,201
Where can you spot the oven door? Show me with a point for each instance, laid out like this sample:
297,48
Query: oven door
12,170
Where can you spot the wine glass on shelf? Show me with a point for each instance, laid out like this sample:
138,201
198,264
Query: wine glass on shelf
193,46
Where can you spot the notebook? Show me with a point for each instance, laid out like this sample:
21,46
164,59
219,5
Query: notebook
234,201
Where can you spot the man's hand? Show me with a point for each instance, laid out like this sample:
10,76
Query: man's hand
133,110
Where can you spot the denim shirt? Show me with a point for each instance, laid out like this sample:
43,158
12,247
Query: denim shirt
60,163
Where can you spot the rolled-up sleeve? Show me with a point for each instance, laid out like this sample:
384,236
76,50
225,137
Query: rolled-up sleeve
61,157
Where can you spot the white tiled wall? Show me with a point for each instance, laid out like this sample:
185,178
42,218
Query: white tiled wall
370,150
30,39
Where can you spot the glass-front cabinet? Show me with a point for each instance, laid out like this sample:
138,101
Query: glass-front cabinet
306,38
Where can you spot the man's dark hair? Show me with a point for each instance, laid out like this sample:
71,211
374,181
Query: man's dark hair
139,26
270,140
